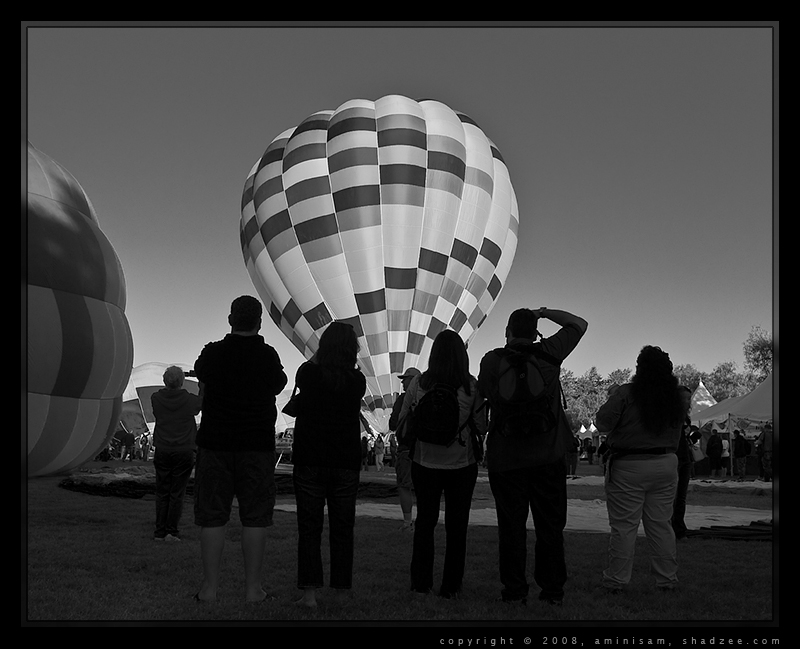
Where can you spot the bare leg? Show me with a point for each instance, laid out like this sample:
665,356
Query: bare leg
254,540
212,542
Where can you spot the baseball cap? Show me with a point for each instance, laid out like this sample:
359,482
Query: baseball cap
410,372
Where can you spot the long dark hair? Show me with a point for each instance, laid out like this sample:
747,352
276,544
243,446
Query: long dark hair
654,389
338,347
448,362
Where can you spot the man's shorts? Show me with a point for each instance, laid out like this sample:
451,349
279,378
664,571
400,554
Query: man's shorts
221,475
402,469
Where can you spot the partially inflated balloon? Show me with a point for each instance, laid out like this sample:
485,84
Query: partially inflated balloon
395,216
137,408
80,350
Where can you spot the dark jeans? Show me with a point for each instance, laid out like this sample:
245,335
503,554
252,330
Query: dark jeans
173,469
543,490
457,486
314,486
679,506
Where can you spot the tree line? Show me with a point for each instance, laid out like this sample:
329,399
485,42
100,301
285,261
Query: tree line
586,393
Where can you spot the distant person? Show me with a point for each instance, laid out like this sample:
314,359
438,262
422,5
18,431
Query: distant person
239,377
741,449
601,453
327,458
380,451
527,471
643,420
725,458
145,442
573,454
174,409
449,470
128,446
714,453
765,439
364,452
684,454
392,449
402,467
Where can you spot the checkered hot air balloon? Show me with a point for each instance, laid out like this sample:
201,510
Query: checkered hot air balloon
79,346
395,216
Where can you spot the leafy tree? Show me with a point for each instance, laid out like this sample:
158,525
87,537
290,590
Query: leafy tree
689,376
725,381
758,353
619,377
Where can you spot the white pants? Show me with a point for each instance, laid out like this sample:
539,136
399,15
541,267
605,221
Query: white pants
642,488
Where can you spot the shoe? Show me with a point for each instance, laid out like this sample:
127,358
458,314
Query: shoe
448,595
520,600
159,538
421,591
172,537
407,527
667,588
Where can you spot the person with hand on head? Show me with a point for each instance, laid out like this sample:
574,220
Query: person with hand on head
528,470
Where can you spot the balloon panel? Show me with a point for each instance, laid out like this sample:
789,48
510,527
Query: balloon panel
79,346
64,432
395,216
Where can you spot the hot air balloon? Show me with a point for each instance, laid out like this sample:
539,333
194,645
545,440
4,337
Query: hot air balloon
396,216
79,347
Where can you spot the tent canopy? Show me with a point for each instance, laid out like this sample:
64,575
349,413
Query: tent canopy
754,406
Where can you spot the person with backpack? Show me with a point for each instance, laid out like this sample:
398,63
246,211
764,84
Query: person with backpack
529,437
445,424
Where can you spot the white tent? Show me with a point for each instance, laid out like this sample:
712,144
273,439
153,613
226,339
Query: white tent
754,406
701,400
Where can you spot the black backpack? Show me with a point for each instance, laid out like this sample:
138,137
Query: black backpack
435,418
525,402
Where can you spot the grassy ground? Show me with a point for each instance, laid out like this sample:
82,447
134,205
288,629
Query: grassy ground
92,558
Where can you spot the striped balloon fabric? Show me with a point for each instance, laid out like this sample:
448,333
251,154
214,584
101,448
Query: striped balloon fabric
395,216
80,350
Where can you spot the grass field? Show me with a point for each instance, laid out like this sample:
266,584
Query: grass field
91,558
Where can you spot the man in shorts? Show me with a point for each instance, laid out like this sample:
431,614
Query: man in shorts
402,467
239,377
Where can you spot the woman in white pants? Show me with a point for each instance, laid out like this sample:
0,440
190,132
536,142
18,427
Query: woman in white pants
643,421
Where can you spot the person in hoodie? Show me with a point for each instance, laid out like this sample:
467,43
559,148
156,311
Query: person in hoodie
174,409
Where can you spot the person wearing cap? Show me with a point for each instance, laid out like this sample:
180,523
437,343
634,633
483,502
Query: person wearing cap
402,467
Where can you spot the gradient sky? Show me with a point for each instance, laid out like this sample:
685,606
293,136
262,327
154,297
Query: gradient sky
642,160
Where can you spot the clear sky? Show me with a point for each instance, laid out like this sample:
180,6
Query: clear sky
641,157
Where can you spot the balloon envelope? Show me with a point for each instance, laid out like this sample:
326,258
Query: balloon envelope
395,216
79,346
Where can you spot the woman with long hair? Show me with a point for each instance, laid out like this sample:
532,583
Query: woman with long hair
643,420
326,454
438,469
